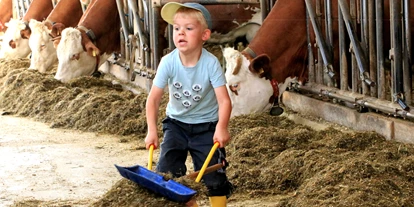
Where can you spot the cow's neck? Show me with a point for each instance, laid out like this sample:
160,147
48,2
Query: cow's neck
282,37
67,13
38,10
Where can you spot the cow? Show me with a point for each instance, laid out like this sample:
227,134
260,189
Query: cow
6,13
83,49
74,63
67,13
278,52
239,86
247,30
15,42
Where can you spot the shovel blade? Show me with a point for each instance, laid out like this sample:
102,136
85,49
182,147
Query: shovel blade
152,181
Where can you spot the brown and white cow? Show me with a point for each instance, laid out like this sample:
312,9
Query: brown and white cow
66,13
278,52
6,13
15,41
240,82
83,49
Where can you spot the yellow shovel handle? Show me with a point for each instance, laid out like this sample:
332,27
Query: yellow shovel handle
151,152
210,155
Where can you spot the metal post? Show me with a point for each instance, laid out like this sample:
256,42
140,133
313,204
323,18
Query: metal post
124,24
380,48
311,59
326,57
342,52
371,46
360,56
407,53
396,54
364,38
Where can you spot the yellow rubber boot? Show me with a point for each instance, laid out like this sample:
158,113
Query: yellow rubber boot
218,201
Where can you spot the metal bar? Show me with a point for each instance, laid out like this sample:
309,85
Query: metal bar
407,52
155,13
124,24
142,38
326,57
319,64
361,100
329,36
360,56
397,48
264,8
380,48
354,65
328,24
371,46
364,34
26,4
343,62
311,59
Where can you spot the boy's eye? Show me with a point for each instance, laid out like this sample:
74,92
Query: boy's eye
189,28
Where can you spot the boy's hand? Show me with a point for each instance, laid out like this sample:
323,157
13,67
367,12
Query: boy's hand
151,138
222,136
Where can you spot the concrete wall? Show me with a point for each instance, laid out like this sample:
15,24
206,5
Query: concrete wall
391,128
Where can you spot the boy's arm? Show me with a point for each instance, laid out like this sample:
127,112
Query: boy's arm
152,107
222,134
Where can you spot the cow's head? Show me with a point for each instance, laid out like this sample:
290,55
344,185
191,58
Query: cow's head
73,60
43,52
245,86
13,45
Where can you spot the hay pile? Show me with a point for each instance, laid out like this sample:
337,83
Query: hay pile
271,158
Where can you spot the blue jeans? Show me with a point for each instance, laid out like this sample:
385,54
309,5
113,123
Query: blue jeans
181,138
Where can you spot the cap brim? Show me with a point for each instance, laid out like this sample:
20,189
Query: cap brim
168,11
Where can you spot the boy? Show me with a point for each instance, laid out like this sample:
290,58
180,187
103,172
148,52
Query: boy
199,106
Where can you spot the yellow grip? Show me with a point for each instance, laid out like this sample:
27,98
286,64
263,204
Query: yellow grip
205,165
151,152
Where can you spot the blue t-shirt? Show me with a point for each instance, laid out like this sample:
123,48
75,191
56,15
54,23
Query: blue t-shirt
192,98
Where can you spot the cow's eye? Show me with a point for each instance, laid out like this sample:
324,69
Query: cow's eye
42,47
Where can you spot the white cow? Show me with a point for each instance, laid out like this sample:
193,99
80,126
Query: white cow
13,45
43,52
73,60
248,30
248,92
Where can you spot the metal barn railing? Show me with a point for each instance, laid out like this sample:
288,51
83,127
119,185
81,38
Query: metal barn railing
363,79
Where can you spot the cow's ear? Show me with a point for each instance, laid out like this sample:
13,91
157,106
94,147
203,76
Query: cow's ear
261,66
25,34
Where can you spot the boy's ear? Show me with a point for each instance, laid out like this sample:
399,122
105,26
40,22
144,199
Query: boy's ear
206,34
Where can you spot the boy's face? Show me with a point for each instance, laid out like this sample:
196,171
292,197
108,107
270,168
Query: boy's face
189,34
